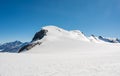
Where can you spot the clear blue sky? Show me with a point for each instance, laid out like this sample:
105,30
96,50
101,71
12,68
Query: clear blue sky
20,19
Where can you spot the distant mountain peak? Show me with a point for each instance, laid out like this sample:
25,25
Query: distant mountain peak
110,40
11,46
53,34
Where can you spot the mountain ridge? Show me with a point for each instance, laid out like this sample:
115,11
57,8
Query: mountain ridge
50,34
12,47
53,33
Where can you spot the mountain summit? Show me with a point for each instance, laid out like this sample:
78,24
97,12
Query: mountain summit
52,34
57,37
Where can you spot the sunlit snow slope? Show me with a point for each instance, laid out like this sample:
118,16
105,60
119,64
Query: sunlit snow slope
59,40
58,52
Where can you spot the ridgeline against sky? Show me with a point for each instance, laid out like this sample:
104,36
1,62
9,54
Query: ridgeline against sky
20,19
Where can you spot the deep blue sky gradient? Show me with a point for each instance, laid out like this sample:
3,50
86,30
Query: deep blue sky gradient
20,19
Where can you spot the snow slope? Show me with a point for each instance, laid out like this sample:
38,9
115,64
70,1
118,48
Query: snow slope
55,33
60,39
57,37
63,53
95,39
102,61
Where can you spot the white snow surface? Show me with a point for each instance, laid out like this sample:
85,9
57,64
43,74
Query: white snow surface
63,54
55,33
96,39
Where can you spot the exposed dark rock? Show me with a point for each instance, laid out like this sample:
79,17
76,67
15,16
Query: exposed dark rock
94,36
100,37
109,40
117,40
29,46
39,35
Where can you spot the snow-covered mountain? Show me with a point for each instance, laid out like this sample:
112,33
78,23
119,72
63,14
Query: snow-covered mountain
56,52
12,46
101,39
53,36
110,40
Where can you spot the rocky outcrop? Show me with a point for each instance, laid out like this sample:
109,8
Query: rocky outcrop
29,46
38,36
115,40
